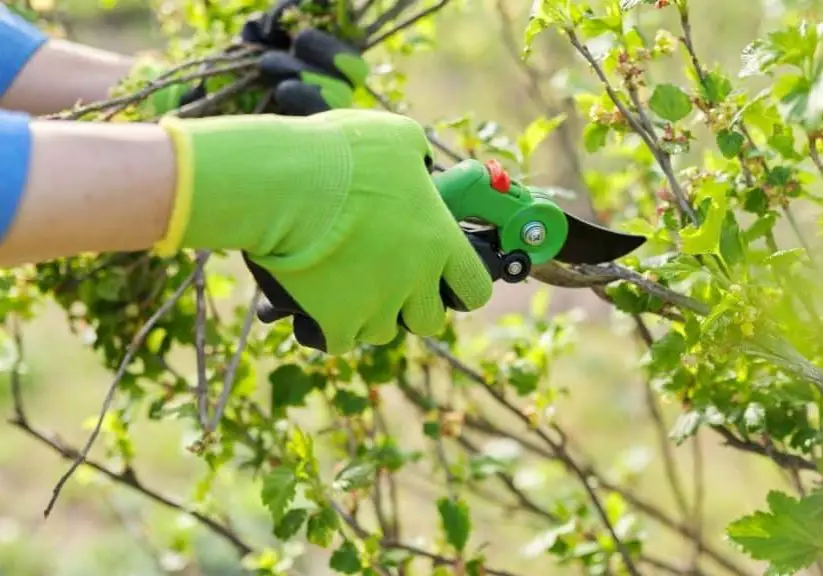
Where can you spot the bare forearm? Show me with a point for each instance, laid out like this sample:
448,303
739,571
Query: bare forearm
61,74
92,188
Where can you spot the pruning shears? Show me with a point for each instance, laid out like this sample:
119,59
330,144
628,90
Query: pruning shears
519,228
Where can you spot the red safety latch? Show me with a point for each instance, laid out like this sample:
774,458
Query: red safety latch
498,176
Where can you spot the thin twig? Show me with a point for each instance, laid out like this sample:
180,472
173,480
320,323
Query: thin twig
129,478
669,464
815,155
16,368
438,143
136,342
438,443
568,139
407,23
685,24
394,497
587,275
437,558
396,10
699,499
155,86
362,10
663,158
202,388
782,459
506,479
564,457
231,370
201,107
361,532
636,501
669,568
137,532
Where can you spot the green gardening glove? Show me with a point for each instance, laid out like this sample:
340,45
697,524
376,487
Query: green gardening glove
338,207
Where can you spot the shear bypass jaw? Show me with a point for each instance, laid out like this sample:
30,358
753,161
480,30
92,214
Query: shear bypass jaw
520,228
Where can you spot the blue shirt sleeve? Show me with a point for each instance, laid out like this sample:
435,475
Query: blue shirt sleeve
15,157
19,40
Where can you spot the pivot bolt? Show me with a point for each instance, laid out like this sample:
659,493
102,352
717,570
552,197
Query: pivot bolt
514,268
534,233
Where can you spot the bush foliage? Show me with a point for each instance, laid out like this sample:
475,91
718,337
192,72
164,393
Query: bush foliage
711,166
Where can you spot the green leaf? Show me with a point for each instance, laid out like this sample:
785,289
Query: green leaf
793,92
394,557
474,567
321,526
670,102
523,374
346,559
349,403
289,386
536,132
732,248
761,227
594,26
783,141
666,351
455,521
629,298
594,137
705,239
279,487
355,475
756,201
789,536
544,14
730,143
716,87
290,523
432,429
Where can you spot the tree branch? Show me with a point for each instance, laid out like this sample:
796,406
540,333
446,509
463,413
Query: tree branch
699,498
129,479
395,545
663,158
202,390
136,342
552,453
563,456
782,459
231,370
238,62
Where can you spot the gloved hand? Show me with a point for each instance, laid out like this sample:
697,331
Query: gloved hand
339,207
309,73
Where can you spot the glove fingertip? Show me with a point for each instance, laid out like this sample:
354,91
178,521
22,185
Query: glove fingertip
468,279
308,333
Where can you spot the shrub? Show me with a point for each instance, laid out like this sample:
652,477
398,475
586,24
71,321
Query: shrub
722,298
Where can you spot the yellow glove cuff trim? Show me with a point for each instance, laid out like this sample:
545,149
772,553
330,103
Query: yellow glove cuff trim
184,188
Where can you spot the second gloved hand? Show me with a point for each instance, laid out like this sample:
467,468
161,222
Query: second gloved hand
339,208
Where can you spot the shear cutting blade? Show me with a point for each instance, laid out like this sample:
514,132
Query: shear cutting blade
588,243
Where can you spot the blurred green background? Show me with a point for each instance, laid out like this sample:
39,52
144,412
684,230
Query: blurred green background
100,529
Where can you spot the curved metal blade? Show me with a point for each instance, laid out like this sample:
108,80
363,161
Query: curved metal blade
588,243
